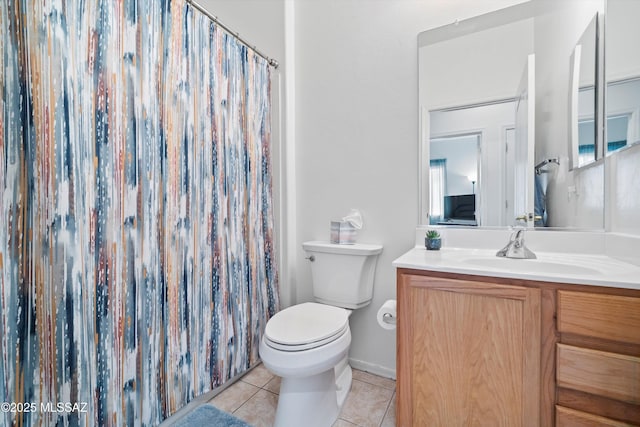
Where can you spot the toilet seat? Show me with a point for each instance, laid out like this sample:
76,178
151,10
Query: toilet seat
306,326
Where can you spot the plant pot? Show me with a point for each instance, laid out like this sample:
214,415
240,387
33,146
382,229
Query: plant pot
433,244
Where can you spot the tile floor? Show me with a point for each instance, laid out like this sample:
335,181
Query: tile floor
254,398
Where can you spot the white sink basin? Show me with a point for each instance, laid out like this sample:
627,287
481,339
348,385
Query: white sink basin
530,266
559,257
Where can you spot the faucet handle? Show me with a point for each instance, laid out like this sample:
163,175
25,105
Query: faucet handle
518,240
516,247
516,229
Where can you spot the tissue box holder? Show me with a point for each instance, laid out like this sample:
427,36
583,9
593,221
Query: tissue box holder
342,233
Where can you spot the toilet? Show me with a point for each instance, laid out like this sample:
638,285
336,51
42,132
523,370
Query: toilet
308,344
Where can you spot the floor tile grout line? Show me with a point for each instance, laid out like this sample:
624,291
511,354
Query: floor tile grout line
377,385
249,398
388,407
270,391
363,381
348,422
252,396
244,403
255,385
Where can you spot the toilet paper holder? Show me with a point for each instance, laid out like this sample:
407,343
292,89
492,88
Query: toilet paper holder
388,318
387,315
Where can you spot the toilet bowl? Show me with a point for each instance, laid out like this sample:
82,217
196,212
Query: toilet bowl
304,344
307,344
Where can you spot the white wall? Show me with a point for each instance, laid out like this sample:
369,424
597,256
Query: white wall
623,178
356,128
357,135
483,66
623,33
623,167
260,22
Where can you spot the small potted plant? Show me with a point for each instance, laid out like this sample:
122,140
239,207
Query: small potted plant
432,240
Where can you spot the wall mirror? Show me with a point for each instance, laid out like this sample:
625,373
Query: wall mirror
498,78
584,126
470,91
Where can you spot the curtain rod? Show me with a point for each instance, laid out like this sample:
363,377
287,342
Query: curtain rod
202,10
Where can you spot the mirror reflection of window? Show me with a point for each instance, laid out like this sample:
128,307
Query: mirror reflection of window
623,113
617,132
622,74
438,189
586,126
586,138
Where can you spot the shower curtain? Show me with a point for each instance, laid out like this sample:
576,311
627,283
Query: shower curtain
137,263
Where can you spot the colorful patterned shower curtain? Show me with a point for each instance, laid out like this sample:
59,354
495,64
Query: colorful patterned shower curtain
137,265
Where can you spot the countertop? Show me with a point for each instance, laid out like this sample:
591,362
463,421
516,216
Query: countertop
584,269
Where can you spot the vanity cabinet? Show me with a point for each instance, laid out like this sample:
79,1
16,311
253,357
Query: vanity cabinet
598,359
475,350
468,352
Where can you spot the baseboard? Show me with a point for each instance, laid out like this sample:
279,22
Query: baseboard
373,368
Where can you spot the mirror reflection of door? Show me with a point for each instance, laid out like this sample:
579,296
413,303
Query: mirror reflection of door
510,194
525,142
467,147
454,175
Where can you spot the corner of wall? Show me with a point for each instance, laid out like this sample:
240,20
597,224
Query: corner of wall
287,190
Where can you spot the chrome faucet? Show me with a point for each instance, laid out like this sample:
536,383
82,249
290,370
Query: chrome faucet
516,248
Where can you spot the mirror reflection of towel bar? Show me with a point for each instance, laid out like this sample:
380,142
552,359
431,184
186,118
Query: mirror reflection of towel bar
544,163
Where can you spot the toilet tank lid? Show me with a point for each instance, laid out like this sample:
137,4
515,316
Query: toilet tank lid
334,248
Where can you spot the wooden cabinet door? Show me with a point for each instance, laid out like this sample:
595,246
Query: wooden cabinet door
468,353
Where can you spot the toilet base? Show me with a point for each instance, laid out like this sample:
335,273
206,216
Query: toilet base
308,401
316,400
344,376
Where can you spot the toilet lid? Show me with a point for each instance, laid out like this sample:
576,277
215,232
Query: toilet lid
306,326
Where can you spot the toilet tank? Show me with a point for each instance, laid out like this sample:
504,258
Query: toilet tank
342,275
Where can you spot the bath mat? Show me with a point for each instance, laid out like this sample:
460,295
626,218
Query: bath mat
207,415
